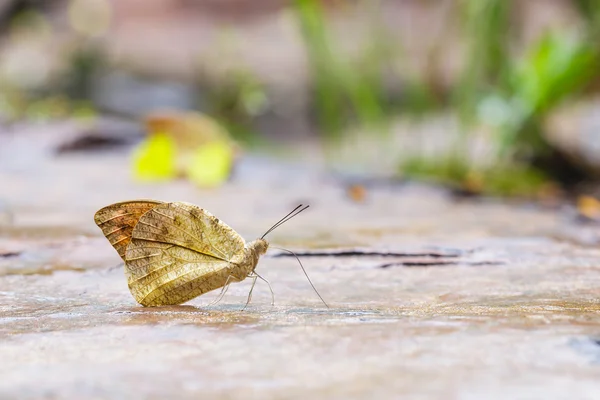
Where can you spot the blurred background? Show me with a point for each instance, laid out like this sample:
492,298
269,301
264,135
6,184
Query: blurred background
491,97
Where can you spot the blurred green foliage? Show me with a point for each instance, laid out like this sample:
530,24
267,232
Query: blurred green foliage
37,93
503,179
513,95
555,68
236,103
590,11
502,88
345,90
487,36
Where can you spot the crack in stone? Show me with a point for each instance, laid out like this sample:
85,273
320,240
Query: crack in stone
364,253
10,254
439,263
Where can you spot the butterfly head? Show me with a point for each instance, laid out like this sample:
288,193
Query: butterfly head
259,246
254,250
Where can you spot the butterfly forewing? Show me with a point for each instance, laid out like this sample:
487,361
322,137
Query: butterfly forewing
179,251
118,220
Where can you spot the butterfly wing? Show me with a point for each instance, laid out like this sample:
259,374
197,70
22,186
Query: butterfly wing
118,220
179,251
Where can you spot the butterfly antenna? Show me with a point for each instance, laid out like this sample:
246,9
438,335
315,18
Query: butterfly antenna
288,218
283,220
290,215
303,270
279,222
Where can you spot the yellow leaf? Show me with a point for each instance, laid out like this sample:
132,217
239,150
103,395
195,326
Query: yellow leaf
154,158
210,164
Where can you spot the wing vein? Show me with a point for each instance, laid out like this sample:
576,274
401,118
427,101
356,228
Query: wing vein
115,217
173,289
164,215
183,247
144,256
119,241
150,273
207,237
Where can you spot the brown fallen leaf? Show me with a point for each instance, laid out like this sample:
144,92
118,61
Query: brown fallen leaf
357,193
185,144
589,207
188,129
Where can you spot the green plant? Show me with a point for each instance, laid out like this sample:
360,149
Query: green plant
232,93
235,102
503,179
84,62
557,67
590,12
345,90
487,60
513,96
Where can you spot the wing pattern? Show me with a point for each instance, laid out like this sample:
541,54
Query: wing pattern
179,251
118,220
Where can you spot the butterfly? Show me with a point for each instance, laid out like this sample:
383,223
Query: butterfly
176,251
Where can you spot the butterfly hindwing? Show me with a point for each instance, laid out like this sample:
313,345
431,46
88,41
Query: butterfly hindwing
179,251
118,220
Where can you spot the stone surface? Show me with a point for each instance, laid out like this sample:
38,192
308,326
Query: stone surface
516,316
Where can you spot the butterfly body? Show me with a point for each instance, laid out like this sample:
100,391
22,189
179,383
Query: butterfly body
174,252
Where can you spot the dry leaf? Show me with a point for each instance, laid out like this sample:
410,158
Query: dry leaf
185,144
357,193
589,207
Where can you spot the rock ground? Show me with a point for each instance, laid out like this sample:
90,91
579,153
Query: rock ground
483,299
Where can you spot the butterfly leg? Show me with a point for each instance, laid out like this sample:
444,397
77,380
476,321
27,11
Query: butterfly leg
223,291
270,288
220,297
254,277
